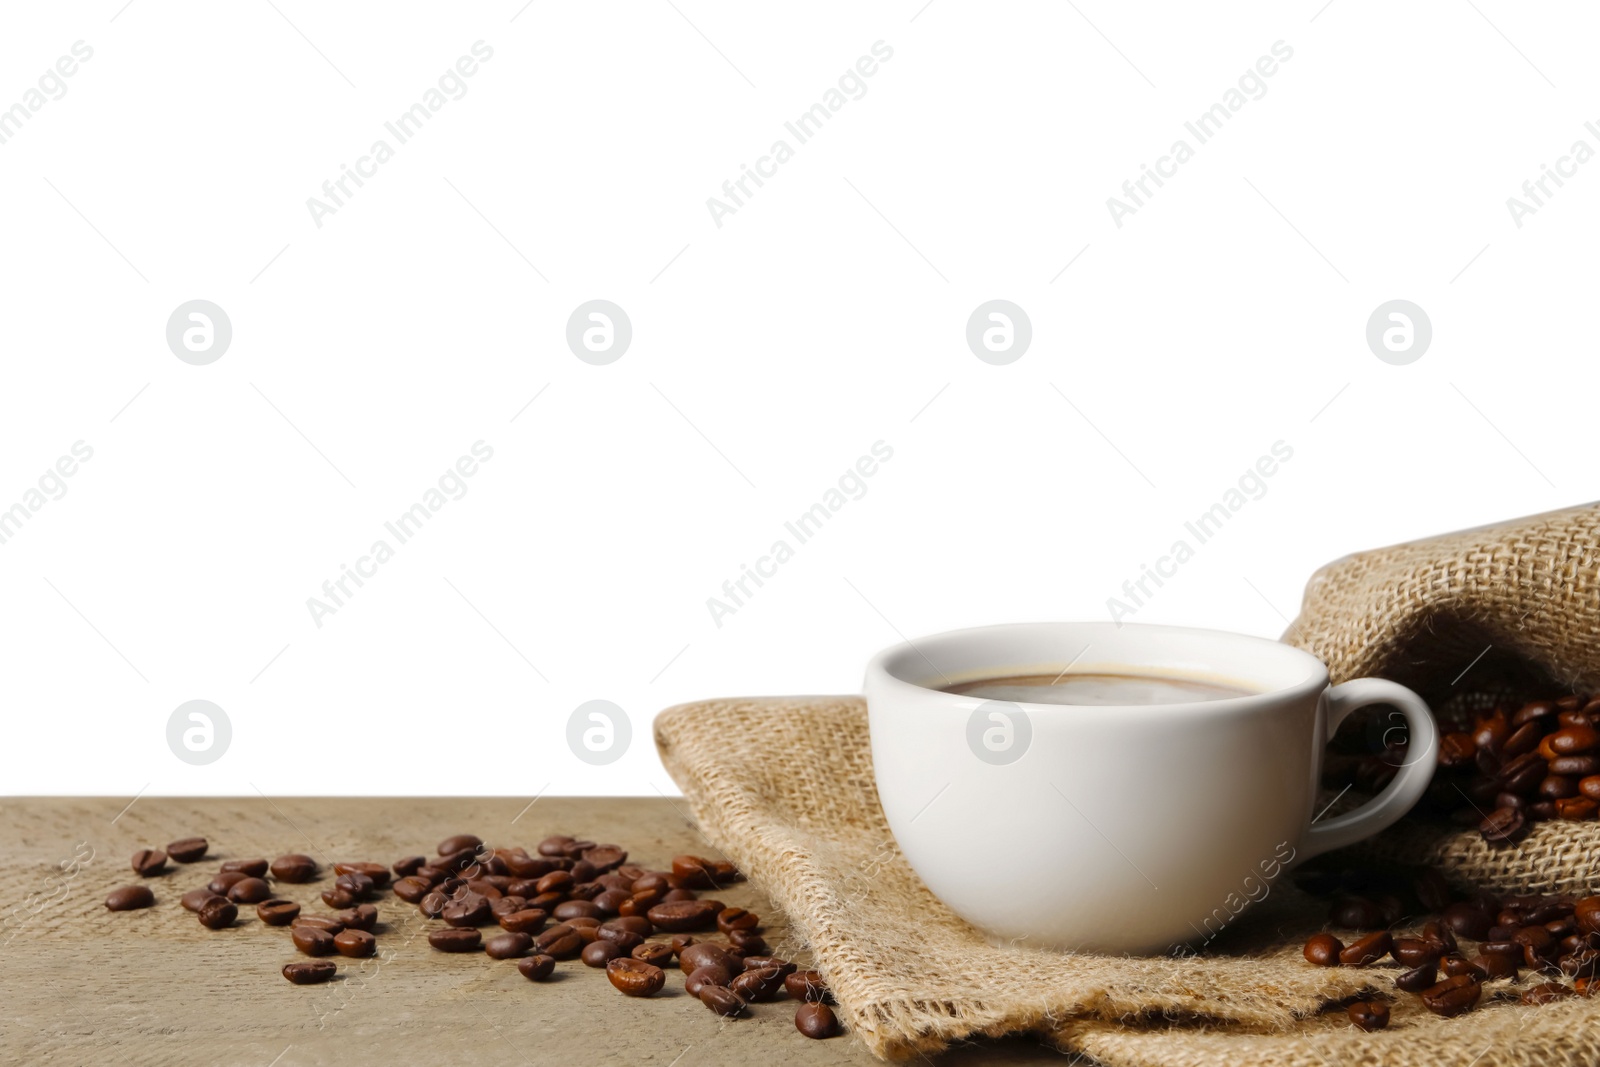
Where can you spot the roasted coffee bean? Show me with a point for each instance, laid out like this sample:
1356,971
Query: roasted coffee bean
818,1021
226,881
507,946
546,901
807,985
506,906
1534,710
459,843
1368,1015
1369,949
188,849
757,985
654,953
250,891
1505,947
1418,978
255,868
641,903
360,917
294,868
194,898
524,921
555,882
634,978
536,968
355,943
731,919
707,976
339,898
217,914
310,972
1522,774
312,941
1574,740
1543,811
1497,965
130,898
1557,787
1356,913
674,895
600,952
679,942
748,943
411,889
1576,809
1457,965
1453,996
455,939
319,922
149,862
561,941
554,846
276,911
1503,825
1414,951
684,915
527,920
706,953
605,857
610,901
1579,767
1522,741
407,866
575,909
637,924
1547,993
721,1000
693,872
525,866
431,874
1561,928
358,885
468,909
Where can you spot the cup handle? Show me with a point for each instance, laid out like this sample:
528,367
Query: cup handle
1410,781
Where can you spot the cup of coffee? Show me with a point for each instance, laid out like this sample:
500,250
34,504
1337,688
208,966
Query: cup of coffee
1118,788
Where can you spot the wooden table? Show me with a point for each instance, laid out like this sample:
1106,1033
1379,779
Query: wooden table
80,984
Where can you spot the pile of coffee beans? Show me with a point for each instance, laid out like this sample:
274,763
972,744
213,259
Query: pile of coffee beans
1501,769
1553,938
571,899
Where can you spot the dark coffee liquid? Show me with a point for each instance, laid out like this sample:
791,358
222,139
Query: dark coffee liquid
1100,689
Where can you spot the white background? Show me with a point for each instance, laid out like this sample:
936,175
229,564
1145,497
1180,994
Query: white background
768,354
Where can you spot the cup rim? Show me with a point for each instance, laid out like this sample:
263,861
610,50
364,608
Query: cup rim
880,677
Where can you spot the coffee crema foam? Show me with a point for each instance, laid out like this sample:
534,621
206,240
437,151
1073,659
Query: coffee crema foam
1098,689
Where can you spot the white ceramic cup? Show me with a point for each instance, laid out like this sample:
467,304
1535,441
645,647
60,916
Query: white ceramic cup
1129,829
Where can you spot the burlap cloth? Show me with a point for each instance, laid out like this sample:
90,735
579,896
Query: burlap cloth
784,787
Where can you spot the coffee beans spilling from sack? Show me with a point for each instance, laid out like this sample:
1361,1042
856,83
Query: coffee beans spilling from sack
1556,939
1500,770
571,899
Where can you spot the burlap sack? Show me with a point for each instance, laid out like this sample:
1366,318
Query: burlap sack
785,787
1511,610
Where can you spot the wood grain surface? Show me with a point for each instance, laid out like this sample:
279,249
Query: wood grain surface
80,984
